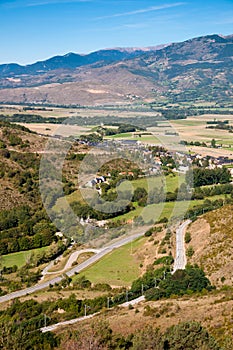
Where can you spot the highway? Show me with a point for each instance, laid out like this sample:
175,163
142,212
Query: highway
180,260
76,269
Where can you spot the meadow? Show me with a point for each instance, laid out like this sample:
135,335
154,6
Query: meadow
20,258
119,267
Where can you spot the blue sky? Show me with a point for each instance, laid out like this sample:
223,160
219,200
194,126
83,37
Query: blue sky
33,30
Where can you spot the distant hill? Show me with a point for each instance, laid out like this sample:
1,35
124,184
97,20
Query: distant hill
197,69
73,60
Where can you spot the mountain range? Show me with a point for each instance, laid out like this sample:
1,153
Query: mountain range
197,69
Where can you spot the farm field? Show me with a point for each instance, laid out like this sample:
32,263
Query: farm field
56,129
144,138
194,129
20,258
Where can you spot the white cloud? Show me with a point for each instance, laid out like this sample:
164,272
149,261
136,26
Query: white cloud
34,3
145,10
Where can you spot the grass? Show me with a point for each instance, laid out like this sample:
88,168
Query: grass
63,202
121,136
20,258
172,182
168,209
186,122
143,138
119,268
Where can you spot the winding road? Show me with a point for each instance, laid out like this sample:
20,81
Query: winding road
76,269
180,260
179,264
72,259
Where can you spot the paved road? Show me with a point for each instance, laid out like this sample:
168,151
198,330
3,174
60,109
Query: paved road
133,302
180,260
73,257
83,318
66,323
71,272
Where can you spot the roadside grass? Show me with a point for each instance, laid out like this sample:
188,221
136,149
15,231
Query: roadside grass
60,265
119,268
20,258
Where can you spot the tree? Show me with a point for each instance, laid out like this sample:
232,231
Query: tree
148,338
213,143
189,336
190,252
187,237
139,193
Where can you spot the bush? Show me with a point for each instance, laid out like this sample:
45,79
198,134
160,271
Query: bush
187,237
190,252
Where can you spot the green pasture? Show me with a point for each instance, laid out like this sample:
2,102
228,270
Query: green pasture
170,182
155,212
118,268
20,258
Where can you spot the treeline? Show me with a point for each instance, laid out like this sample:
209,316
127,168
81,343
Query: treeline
5,123
101,210
31,118
205,207
183,113
122,129
202,192
201,177
139,121
190,280
193,143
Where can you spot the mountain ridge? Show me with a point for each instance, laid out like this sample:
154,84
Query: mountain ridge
198,68
74,60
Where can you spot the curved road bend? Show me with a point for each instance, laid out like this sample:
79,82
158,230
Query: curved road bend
76,269
180,260
72,259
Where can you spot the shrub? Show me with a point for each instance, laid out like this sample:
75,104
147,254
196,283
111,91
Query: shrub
187,237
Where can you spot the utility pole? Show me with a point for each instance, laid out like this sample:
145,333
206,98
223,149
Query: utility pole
85,310
127,296
45,323
108,300
142,289
155,283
